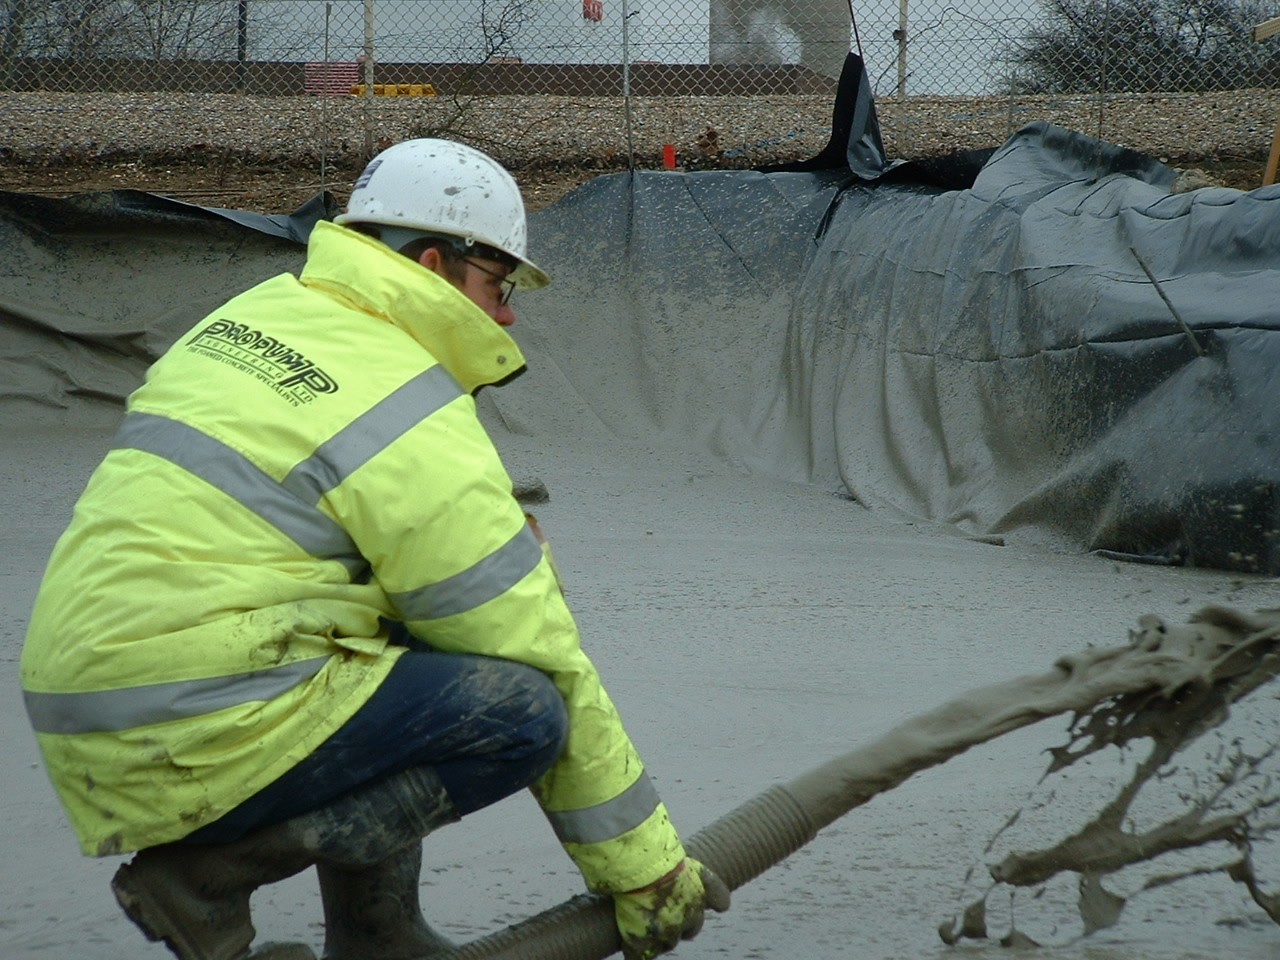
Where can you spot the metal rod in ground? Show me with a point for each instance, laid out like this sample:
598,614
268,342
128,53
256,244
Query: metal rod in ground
1167,302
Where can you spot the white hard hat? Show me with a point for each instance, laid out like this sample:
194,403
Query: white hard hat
448,188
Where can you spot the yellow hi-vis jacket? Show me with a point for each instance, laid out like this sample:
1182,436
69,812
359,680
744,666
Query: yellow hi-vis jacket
305,461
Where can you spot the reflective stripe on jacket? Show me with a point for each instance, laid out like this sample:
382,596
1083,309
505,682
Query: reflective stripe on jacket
306,461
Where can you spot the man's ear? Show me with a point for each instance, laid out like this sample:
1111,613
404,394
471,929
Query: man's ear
432,259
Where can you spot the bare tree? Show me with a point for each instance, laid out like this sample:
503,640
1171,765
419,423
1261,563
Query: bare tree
12,30
71,28
501,22
177,29
1145,46
138,29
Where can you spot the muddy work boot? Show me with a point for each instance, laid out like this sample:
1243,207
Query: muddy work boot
375,911
195,898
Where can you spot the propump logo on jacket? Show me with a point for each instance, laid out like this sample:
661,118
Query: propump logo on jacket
275,363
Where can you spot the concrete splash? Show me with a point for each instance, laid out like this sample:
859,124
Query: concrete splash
1170,684
1222,802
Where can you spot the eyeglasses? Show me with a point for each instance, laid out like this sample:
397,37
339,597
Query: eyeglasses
507,284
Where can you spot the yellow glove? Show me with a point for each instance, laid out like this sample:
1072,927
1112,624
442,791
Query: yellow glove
654,919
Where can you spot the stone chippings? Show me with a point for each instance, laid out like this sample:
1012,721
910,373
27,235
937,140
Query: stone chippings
322,140
543,130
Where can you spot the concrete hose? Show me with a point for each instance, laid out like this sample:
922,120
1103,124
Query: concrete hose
740,846
1221,648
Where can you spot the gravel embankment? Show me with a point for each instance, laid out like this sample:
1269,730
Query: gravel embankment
540,131
56,140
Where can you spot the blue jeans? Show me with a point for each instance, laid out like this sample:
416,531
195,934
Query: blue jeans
488,728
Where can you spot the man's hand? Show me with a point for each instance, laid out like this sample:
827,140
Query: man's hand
654,919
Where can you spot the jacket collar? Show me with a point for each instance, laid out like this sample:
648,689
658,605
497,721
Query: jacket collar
377,280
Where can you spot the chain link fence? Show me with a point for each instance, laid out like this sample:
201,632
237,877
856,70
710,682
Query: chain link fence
529,47
732,82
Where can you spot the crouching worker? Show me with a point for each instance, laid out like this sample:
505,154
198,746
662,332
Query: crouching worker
298,618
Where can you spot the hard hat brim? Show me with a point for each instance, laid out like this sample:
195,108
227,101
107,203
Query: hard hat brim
529,276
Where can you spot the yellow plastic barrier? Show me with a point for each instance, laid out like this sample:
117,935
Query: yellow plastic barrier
396,90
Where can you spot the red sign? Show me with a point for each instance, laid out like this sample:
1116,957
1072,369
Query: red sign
593,10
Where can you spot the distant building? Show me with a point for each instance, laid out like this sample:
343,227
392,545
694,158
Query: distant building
815,33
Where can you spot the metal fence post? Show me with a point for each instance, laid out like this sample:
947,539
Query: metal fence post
901,35
368,79
324,104
242,42
626,84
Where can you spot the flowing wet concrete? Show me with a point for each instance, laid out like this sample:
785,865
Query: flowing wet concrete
749,630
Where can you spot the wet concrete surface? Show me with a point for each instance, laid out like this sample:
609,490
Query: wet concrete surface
749,630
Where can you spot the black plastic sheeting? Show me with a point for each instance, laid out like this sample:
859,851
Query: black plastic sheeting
1039,340
995,358
95,286
1066,344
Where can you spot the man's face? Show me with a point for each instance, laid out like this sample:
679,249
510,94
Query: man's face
484,282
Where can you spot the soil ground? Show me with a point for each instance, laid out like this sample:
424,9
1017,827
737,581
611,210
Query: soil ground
282,188
267,189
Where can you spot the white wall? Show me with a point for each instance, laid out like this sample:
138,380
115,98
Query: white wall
954,45
541,31
815,32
